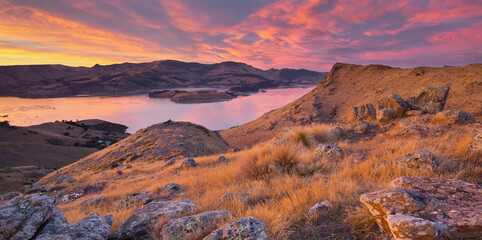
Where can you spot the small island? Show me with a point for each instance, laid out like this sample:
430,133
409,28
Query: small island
193,97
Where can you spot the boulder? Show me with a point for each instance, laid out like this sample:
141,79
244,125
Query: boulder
240,228
93,202
195,226
363,127
387,114
410,227
188,162
222,159
413,113
443,209
134,200
173,188
22,216
476,144
142,221
93,189
454,117
422,159
231,196
414,128
392,106
93,227
329,151
318,211
360,113
31,189
55,223
429,99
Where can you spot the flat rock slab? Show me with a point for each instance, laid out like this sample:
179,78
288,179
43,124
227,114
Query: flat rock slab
428,208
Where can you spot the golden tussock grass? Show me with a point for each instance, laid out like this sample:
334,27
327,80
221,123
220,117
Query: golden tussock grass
285,178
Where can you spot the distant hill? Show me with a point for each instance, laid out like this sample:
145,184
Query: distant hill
351,85
39,81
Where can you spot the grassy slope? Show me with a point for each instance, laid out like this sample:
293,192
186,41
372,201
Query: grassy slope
285,180
351,85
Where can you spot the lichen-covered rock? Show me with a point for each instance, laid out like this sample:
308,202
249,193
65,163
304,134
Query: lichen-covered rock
8,196
447,208
55,223
195,226
31,189
387,114
454,117
389,201
240,228
22,216
394,104
329,151
363,127
429,99
138,225
409,227
134,200
318,211
189,162
173,188
476,144
93,227
422,159
361,113
93,202
232,196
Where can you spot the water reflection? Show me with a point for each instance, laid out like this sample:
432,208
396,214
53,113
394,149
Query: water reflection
139,111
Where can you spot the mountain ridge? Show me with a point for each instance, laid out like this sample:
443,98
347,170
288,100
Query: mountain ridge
39,81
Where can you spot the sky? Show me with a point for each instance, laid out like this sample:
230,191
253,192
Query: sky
311,34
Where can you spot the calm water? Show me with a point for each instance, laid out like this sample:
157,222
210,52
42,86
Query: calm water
139,111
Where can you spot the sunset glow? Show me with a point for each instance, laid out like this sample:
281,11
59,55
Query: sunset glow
309,34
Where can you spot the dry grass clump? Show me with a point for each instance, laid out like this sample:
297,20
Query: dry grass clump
310,136
285,179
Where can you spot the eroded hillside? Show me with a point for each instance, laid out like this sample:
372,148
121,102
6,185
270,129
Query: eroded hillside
350,85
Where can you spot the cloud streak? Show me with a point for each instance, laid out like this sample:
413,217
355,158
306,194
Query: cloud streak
311,34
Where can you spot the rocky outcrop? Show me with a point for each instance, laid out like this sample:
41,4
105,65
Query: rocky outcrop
427,208
138,225
454,117
173,188
361,113
195,226
240,228
391,107
318,211
22,216
134,200
429,99
422,159
93,227
329,151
